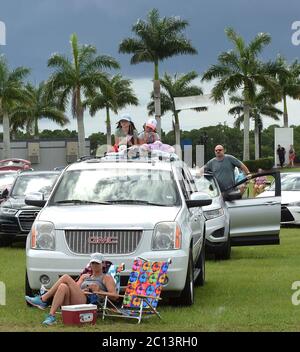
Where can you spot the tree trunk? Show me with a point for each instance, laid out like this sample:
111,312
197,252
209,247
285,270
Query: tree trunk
256,140
285,113
108,129
156,89
80,124
6,137
177,135
36,128
246,154
81,133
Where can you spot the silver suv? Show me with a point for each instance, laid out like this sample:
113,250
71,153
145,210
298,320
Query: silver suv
123,209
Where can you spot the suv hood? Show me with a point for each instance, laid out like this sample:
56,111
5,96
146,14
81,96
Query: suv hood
107,216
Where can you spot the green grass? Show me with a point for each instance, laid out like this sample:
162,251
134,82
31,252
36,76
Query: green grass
290,169
250,292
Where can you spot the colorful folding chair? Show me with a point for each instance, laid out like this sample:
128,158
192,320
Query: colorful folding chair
142,292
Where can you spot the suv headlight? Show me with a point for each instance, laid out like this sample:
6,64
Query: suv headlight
43,235
166,236
211,214
8,211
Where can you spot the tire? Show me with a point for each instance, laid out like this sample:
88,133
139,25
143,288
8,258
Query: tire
5,240
28,290
225,252
200,280
186,297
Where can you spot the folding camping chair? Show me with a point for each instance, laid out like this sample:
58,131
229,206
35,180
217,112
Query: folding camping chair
142,292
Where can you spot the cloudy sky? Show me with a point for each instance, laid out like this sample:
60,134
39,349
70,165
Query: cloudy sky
37,28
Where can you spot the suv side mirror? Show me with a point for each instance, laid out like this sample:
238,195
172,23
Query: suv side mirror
4,193
35,199
232,195
198,199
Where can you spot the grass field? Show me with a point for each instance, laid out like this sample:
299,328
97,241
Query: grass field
250,292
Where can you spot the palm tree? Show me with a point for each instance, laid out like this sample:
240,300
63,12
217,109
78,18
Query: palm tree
117,95
288,77
157,39
176,86
241,69
11,93
262,104
78,77
39,106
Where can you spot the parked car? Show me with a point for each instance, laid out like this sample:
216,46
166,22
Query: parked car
235,221
15,164
6,180
216,215
16,217
290,193
124,209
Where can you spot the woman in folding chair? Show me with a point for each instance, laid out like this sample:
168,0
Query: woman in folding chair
66,291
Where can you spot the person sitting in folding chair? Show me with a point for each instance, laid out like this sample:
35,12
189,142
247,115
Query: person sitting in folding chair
142,292
66,291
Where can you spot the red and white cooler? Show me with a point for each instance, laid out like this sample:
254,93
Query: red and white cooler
79,314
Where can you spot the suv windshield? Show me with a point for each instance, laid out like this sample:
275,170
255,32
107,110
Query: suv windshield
7,179
131,186
207,185
33,183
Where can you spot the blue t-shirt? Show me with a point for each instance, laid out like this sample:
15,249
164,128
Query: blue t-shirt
223,170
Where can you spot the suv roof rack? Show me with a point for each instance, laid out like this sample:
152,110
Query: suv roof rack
140,155
85,157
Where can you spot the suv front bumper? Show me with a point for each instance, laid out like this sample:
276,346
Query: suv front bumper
54,264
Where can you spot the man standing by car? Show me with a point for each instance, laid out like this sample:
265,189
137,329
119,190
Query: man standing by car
222,167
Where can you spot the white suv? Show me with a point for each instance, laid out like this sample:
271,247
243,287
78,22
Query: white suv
123,209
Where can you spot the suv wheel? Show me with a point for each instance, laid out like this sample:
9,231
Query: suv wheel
186,297
5,240
28,290
200,265
225,252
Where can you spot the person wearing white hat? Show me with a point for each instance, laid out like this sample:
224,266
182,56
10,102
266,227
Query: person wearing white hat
149,134
126,133
67,291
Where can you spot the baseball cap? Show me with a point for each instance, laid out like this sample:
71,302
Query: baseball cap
152,123
125,117
96,258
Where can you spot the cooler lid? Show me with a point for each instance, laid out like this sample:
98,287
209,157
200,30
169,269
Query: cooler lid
79,307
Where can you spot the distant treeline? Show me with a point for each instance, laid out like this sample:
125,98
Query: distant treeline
231,138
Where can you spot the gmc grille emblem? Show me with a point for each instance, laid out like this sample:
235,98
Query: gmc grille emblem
102,240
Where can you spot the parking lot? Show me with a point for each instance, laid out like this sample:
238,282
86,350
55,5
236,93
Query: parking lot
250,292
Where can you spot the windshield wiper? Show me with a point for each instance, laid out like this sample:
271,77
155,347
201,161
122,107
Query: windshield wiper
78,201
135,201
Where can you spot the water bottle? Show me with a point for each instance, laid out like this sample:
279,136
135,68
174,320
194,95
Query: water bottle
43,290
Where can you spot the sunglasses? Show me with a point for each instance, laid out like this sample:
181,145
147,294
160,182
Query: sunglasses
218,150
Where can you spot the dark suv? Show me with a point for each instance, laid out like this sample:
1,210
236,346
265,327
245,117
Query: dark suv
16,217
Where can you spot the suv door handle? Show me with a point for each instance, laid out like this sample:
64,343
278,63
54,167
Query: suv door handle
271,202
